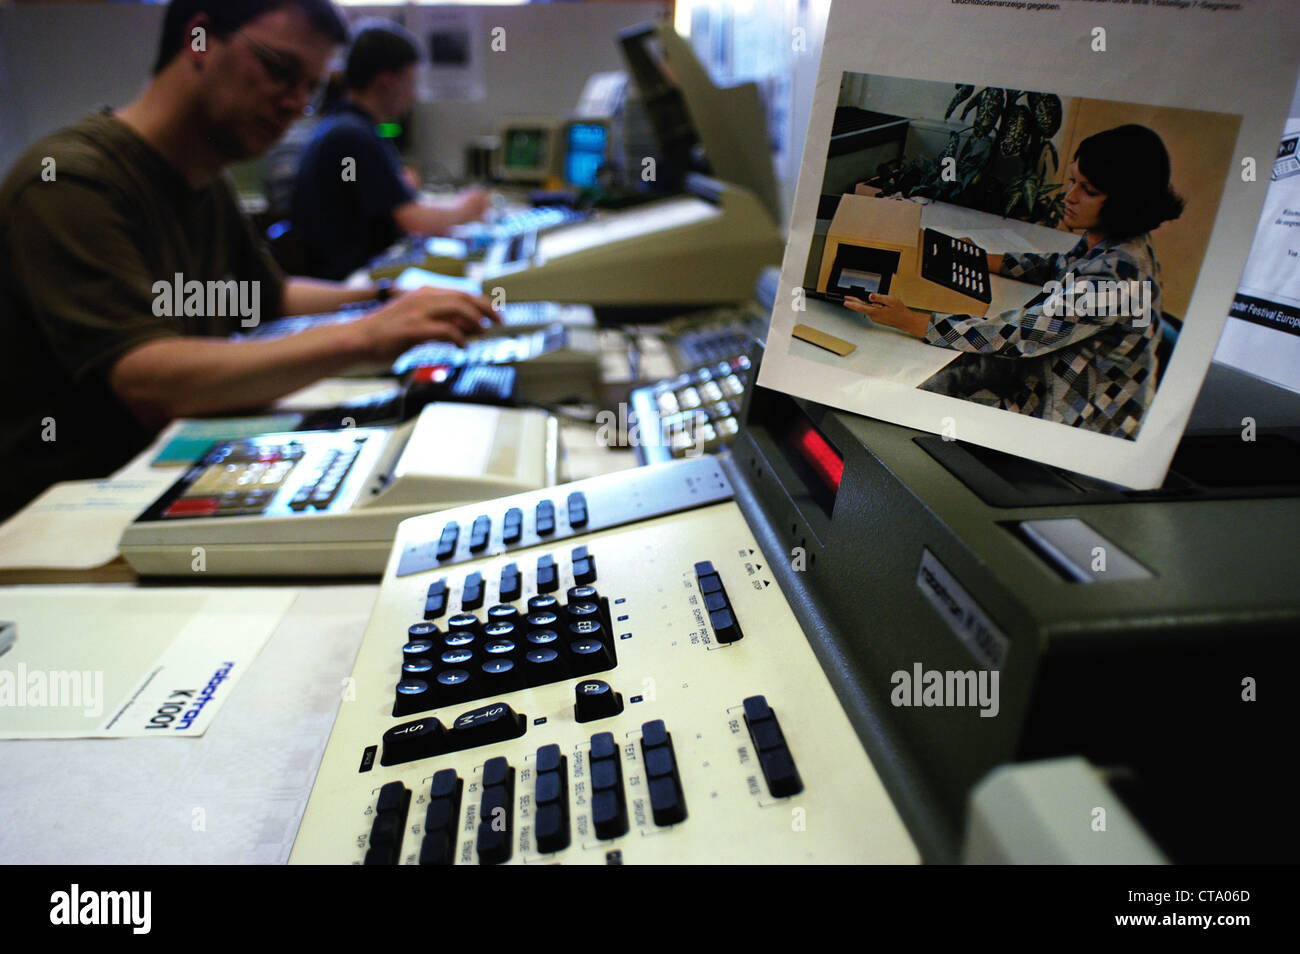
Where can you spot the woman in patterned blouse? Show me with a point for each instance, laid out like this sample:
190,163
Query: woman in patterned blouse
1066,356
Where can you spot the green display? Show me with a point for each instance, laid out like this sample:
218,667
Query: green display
525,149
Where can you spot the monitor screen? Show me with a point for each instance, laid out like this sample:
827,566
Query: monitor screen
584,153
525,149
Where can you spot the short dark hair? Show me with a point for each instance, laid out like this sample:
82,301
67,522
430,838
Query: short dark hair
227,16
379,46
1131,166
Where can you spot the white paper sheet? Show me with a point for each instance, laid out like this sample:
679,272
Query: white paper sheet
234,796
1209,60
1267,342
124,662
77,525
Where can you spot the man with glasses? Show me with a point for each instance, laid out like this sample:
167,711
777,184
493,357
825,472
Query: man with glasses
351,199
100,220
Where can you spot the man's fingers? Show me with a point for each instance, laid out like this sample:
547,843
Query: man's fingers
485,305
458,308
446,331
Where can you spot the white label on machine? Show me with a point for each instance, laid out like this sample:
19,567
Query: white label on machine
983,637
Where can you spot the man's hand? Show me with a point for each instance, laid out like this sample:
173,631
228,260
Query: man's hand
422,217
425,314
472,205
889,310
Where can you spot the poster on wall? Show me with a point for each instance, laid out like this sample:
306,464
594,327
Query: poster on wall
1032,241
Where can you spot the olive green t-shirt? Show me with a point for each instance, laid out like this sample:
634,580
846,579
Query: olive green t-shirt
92,219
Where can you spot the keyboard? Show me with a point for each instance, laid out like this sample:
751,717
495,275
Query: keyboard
696,412
480,235
554,364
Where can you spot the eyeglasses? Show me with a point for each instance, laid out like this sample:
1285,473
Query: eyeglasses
284,70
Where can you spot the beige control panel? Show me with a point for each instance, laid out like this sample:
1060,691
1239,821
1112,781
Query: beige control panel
641,693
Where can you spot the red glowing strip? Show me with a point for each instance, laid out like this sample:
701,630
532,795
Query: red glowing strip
818,452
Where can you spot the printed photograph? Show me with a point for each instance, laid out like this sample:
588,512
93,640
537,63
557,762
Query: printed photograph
1043,248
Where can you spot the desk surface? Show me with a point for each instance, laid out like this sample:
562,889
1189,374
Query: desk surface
885,352
234,795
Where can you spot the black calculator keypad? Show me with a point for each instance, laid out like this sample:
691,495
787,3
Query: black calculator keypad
478,654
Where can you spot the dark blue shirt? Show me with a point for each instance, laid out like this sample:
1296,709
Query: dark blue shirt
348,185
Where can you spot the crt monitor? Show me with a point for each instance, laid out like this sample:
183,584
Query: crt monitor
586,145
528,151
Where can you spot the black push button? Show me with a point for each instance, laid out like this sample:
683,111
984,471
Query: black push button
582,609
545,516
510,582
497,771
773,754
581,593
438,847
471,597
494,723
385,842
704,567
512,528
594,699
666,802
577,509
603,746
780,772
608,809
548,580
386,832
552,827
543,604
659,762
725,627
412,740
654,734
435,603
584,569
496,812
447,542
393,797
609,814
551,823
479,533
549,758
501,613
446,784
549,787
440,815
712,583
413,695
757,709
390,819
766,735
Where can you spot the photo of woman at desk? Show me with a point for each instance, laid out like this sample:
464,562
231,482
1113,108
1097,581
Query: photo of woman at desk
1087,367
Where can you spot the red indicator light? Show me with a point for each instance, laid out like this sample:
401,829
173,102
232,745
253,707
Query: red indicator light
192,507
432,374
819,454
